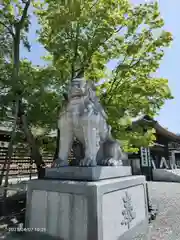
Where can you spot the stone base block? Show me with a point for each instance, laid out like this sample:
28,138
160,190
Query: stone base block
87,173
113,209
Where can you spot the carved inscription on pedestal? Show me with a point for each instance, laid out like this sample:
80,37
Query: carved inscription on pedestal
128,211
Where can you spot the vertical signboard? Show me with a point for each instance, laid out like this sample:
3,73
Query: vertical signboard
146,165
145,157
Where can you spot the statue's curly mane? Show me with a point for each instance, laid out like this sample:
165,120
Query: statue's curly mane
91,94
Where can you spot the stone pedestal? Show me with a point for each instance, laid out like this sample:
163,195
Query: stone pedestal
110,209
88,173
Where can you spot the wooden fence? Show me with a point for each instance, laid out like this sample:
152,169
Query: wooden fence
22,164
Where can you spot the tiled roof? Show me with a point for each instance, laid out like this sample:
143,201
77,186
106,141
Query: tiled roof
159,129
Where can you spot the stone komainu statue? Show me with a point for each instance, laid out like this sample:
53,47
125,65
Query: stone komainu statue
85,119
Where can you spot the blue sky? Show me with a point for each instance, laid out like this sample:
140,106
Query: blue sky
169,115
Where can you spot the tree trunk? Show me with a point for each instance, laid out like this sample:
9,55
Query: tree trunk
7,162
17,88
35,152
15,74
57,145
58,133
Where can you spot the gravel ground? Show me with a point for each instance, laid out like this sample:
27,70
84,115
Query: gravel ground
167,224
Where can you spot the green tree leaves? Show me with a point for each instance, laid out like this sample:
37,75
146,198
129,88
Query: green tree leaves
84,36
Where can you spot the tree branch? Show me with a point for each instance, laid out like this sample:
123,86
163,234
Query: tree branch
131,65
85,63
24,14
8,28
75,50
105,40
115,78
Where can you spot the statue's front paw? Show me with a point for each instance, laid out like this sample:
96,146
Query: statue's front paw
59,163
111,162
88,162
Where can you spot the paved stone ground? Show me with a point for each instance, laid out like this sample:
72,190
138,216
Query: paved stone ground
167,224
